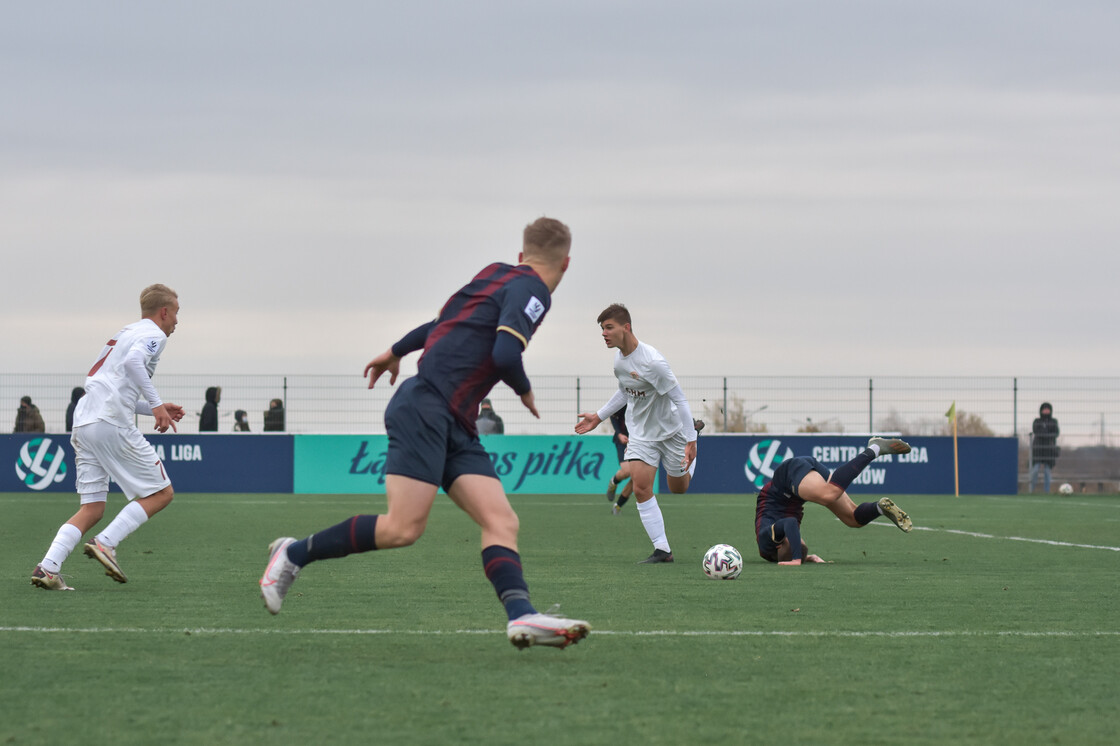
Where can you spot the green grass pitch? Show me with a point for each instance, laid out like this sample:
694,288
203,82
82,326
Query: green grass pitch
996,621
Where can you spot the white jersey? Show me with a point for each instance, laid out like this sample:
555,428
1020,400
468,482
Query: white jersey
645,378
112,394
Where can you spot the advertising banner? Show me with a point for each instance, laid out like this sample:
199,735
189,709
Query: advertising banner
743,463
526,464
37,462
529,464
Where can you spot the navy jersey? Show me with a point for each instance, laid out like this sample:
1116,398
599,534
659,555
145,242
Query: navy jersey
773,505
778,498
457,360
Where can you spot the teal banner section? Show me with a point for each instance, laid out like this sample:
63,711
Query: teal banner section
530,464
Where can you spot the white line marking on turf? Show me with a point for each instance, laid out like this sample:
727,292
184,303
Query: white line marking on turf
1017,538
621,633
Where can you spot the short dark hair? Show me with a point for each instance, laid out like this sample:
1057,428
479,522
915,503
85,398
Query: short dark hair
547,238
615,312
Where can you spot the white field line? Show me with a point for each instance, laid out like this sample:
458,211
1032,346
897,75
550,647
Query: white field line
219,631
1013,538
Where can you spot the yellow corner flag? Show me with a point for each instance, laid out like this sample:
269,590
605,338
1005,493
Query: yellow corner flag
952,413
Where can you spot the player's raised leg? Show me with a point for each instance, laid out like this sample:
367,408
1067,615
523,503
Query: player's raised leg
409,503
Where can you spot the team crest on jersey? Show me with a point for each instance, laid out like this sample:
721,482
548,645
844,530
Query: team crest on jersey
534,309
152,345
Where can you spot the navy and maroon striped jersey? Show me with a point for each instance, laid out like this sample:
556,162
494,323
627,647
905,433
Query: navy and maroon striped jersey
457,359
774,504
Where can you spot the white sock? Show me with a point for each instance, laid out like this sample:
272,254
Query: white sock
654,523
64,542
131,517
692,468
875,447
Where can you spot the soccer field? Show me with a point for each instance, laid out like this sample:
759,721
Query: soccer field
995,622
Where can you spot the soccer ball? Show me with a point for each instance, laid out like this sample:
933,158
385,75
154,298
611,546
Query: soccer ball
1066,488
723,562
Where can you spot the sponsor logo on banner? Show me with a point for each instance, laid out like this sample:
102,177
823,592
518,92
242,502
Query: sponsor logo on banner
38,466
514,467
763,459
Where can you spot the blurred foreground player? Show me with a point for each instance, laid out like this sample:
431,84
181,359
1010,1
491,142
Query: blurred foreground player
802,479
476,341
107,442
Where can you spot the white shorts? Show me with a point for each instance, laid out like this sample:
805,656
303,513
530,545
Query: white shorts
103,450
653,452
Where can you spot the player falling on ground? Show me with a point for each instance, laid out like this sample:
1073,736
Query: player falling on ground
107,442
658,419
620,439
476,341
802,479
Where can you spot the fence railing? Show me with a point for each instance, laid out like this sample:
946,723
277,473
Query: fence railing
1088,409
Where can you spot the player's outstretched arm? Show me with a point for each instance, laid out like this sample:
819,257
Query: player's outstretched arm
588,421
530,403
386,361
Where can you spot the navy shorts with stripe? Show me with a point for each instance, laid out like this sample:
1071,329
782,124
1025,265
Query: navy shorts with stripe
426,442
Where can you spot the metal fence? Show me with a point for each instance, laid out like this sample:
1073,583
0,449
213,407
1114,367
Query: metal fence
1088,409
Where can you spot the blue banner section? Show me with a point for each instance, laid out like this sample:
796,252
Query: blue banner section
34,462
742,464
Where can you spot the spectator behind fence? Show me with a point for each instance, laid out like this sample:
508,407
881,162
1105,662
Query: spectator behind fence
274,417
240,421
28,419
488,422
208,420
1044,445
75,394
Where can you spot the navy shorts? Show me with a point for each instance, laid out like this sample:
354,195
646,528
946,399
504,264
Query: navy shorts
621,448
790,472
426,442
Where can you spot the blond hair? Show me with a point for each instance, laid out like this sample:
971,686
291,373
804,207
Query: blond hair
155,297
547,239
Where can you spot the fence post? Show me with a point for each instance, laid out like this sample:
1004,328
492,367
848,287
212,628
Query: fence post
1015,405
578,407
870,406
725,403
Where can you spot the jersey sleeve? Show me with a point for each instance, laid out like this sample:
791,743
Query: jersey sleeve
138,363
524,303
661,376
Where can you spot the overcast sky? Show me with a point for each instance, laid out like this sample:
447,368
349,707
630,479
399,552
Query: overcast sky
869,188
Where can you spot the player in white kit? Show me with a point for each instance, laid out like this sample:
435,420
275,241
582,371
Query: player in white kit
658,417
107,442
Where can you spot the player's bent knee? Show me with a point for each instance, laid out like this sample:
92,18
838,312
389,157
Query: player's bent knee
392,537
